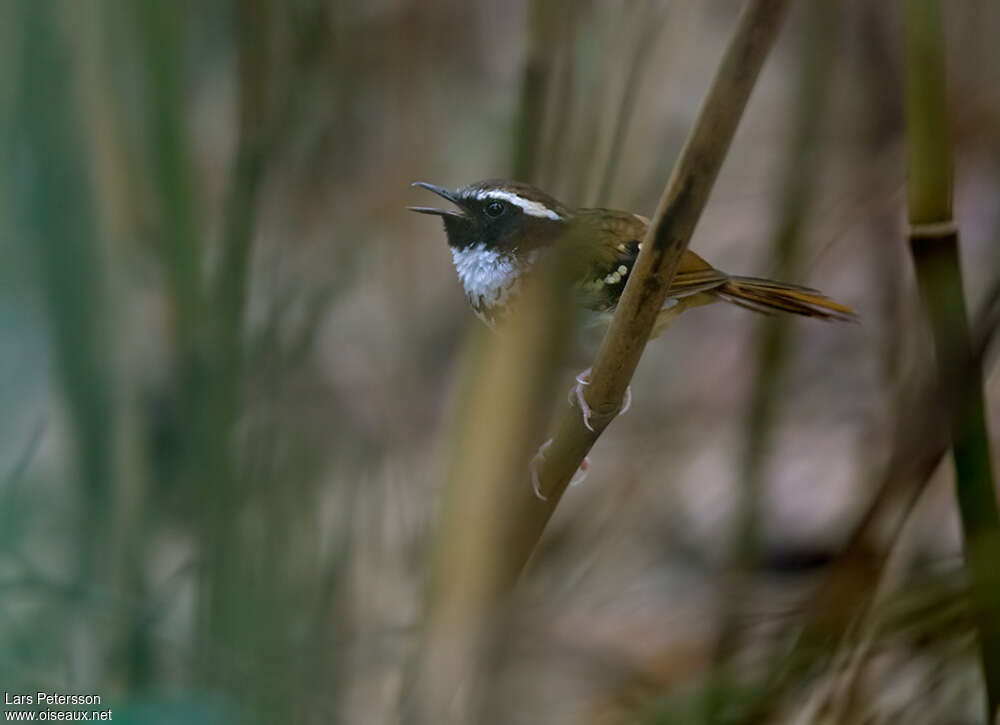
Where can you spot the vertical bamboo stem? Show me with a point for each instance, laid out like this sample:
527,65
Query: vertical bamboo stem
934,245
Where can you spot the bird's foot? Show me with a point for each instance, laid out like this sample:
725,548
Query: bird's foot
539,458
576,398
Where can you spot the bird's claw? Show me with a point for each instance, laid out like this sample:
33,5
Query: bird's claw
576,398
536,463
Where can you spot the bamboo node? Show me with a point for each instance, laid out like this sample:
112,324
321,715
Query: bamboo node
933,230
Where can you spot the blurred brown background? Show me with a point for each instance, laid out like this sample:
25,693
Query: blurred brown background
228,352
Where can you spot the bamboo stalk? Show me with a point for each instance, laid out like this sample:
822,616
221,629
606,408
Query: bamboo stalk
934,245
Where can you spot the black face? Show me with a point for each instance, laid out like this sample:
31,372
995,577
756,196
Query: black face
496,215
494,223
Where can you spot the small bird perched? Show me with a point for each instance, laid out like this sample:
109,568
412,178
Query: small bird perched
501,228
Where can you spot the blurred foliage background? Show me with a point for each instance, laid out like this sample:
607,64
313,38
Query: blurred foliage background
228,357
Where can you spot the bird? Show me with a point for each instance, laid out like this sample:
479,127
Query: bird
501,229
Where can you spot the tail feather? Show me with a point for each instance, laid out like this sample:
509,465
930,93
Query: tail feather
768,296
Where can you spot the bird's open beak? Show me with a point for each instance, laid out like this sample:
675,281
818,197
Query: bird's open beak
440,191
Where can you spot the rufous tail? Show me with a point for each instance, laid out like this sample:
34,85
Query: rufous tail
768,296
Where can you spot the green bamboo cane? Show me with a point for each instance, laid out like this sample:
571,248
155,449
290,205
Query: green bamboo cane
934,245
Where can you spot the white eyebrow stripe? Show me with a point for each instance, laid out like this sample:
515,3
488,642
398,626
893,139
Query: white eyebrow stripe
534,208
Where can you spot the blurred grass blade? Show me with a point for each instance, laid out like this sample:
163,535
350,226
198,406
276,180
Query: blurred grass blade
179,243
252,145
56,217
647,25
536,77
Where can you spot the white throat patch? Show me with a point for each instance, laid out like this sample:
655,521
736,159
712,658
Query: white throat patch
532,208
490,278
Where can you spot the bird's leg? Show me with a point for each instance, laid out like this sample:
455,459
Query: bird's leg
576,398
539,458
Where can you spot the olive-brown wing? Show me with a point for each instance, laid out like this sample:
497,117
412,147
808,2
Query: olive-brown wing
619,238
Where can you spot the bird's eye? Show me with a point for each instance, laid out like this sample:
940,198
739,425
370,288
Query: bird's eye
495,209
